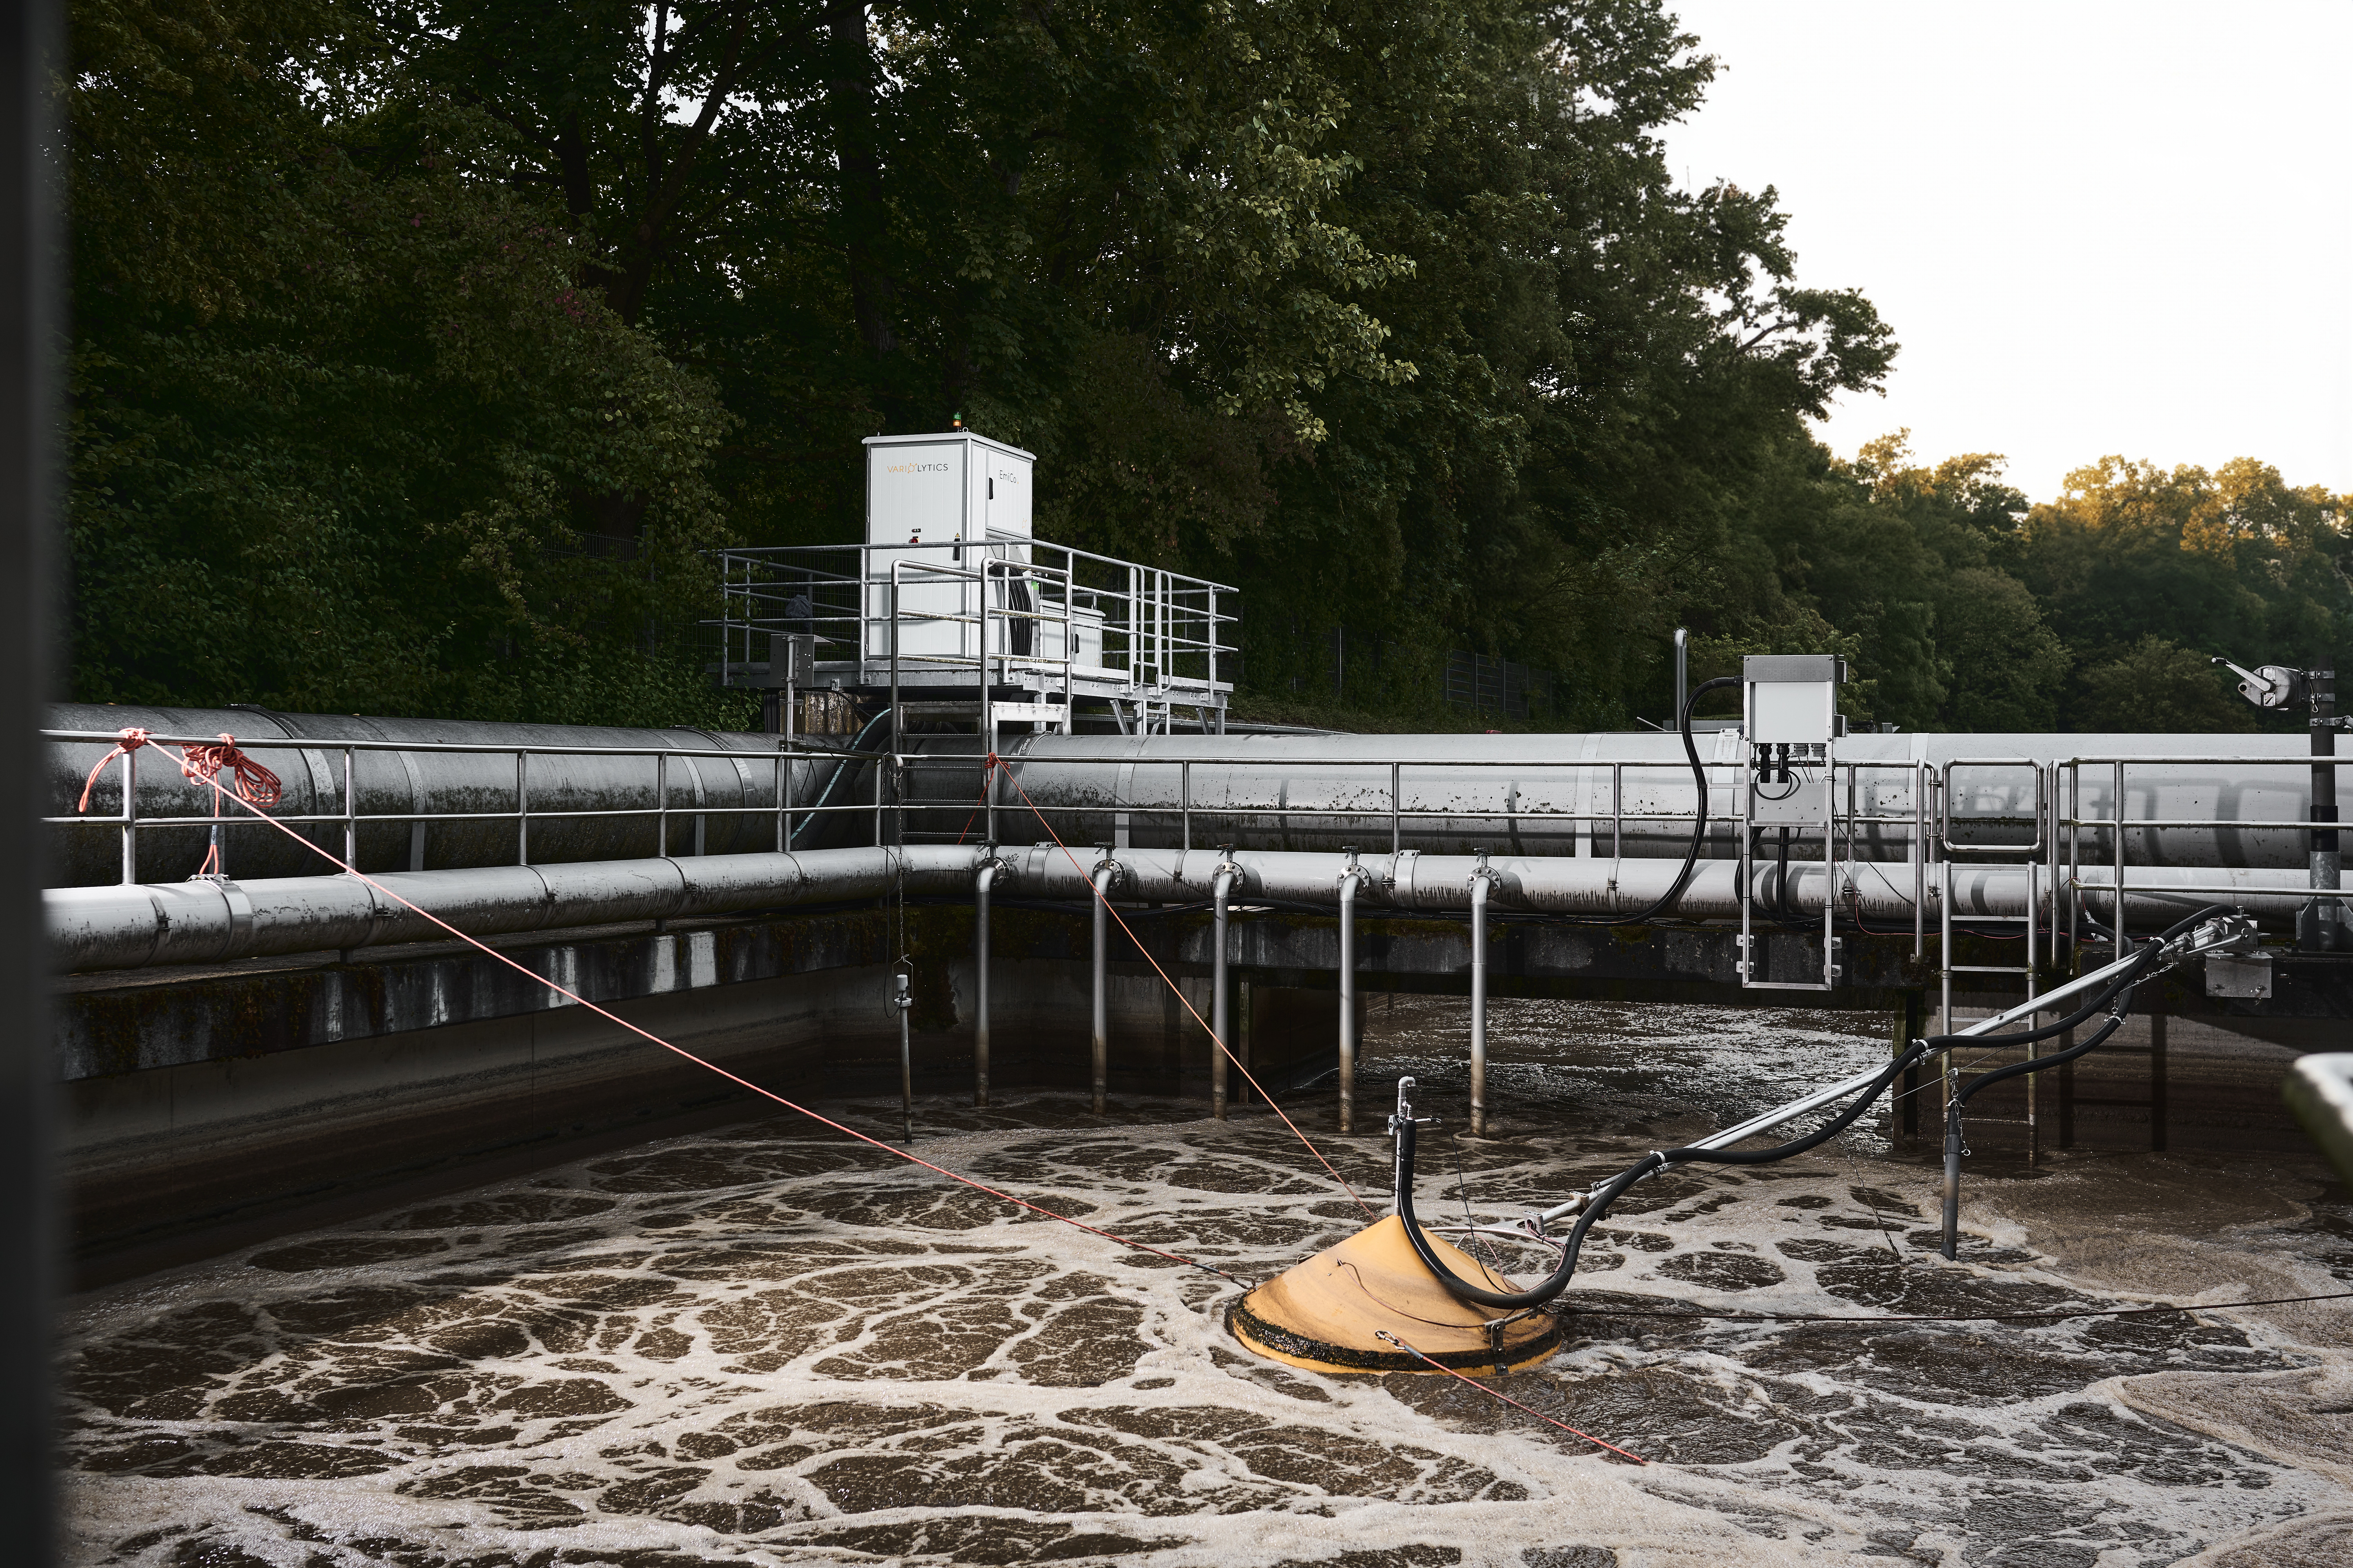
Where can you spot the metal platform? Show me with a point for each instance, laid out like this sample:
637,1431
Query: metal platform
1019,632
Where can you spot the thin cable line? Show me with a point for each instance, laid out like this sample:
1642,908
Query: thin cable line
1496,1393
1182,999
723,1072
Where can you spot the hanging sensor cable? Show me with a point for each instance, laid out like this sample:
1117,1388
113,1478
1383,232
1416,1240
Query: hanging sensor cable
2109,989
1666,900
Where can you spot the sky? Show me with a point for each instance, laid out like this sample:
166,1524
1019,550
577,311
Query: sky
2096,227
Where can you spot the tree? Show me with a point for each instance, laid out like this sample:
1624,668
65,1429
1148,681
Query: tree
334,403
2157,687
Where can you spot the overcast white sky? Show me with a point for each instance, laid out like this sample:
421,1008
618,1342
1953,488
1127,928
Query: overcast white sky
2096,227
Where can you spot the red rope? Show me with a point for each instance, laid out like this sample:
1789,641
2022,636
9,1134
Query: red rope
255,784
1113,912
1495,1393
131,739
690,1056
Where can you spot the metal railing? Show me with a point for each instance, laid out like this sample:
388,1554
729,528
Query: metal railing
128,821
1119,626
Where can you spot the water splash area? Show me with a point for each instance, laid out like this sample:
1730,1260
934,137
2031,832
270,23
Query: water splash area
767,1344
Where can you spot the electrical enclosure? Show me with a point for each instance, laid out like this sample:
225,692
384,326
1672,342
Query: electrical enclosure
933,503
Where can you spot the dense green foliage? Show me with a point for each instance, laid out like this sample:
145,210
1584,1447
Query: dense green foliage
418,344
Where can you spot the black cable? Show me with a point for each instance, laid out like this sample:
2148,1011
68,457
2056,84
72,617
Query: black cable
1699,820
845,766
2118,990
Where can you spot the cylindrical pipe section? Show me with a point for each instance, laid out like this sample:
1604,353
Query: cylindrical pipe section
1952,1194
906,1061
980,887
1105,874
1220,1024
1349,1000
1479,1007
1532,793
118,927
468,798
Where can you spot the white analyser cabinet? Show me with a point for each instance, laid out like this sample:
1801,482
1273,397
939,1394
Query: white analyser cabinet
937,501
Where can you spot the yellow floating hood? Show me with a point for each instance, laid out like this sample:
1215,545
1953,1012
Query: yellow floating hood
1324,1314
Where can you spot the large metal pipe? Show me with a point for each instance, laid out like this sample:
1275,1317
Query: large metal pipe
1546,795
204,922
214,922
425,797
1568,885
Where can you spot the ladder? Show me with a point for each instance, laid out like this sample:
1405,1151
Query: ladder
2029,972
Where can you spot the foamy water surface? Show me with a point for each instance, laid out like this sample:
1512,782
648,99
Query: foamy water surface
767,1345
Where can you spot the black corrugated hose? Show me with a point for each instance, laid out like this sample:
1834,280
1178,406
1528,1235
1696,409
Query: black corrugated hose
2117,990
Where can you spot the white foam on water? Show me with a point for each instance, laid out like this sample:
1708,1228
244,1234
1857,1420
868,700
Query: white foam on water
765,1346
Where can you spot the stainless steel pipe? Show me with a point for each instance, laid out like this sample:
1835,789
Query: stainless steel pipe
119,927
437,809
217,922
1350,875
1604,795
1221,888
1106,874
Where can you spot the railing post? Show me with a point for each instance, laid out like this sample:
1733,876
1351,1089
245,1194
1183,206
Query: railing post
661,804
2117,888
522,807
981,886
350,814
129,817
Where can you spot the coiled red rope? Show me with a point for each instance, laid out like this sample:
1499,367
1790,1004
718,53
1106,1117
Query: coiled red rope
200,764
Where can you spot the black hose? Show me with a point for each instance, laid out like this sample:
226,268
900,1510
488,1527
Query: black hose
1699,823
847,765
1508,1299
2118,990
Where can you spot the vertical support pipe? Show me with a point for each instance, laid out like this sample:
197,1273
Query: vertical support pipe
1348,991
980,887
2322,926
906,1061
1105,874
1220,893
1952,1215
1479,881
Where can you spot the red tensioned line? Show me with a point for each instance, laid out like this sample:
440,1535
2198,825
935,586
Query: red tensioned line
1495,1393
723,1072
994,762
